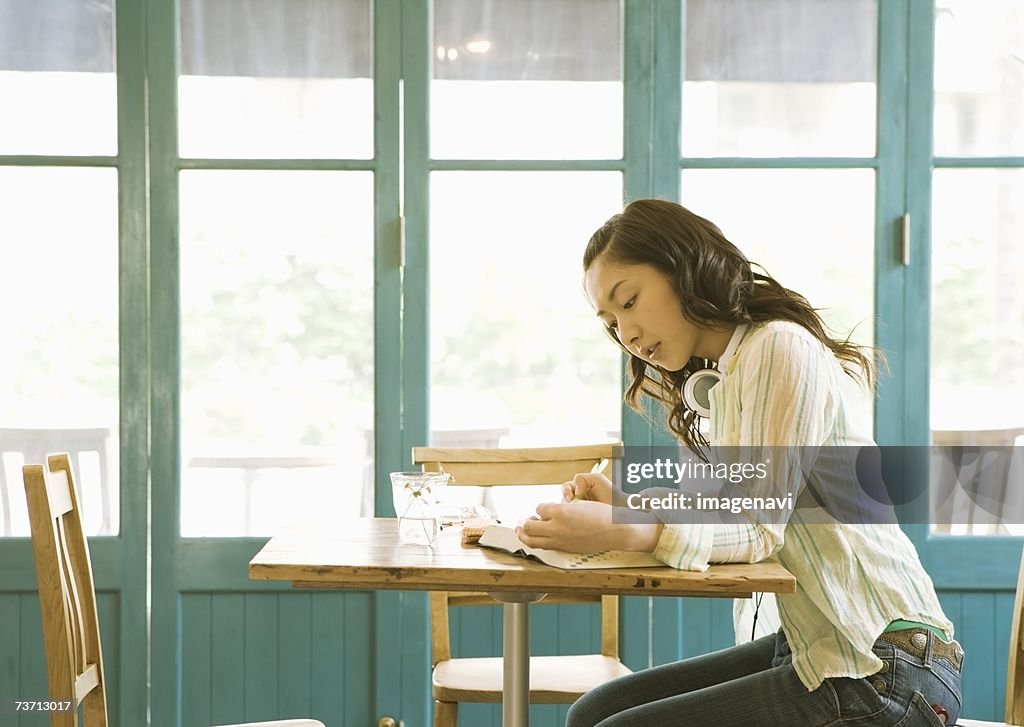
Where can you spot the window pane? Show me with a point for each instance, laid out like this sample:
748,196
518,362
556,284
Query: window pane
779,78
276,78
277,347
977,300
518,357
979,78
811,229
57,77
977,353
526,79
58,291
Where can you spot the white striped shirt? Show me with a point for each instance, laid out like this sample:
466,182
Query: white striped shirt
783,387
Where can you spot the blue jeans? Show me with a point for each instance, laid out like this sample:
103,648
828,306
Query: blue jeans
755,684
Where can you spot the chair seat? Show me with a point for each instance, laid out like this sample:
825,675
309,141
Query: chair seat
980,723
281,723
553,679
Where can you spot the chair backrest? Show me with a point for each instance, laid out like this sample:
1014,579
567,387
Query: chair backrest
67,596
522,466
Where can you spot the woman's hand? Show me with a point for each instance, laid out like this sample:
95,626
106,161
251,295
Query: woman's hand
588,486
585,526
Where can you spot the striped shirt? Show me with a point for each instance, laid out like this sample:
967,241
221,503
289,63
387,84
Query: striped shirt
783,387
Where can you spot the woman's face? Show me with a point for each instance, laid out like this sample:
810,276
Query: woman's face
639,304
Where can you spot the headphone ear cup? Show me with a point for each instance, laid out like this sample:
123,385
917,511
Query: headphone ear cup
697,390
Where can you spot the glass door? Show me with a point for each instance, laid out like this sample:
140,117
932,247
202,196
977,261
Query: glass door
74,328
780,149
972,73
523,160
977,374
273,204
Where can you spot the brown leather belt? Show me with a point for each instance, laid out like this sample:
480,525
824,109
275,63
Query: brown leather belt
915,641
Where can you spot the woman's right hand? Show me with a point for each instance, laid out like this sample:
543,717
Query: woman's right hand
588,486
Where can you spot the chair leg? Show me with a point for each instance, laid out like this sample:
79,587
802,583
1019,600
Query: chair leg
446,714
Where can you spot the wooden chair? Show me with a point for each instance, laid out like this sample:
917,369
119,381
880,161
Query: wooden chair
1014,715
553,679
67,598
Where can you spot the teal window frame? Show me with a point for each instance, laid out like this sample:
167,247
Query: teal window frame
148,163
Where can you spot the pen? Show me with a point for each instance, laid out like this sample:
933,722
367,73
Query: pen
597,468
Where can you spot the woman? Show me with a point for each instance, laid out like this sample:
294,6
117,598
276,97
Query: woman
863,639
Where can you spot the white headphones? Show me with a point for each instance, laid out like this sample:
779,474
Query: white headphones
697,390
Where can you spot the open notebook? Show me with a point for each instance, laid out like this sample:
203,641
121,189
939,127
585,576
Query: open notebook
503,538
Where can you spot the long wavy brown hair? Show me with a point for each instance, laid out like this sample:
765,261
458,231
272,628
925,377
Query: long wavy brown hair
717,287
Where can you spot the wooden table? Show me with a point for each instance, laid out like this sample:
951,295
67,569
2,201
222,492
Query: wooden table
365,555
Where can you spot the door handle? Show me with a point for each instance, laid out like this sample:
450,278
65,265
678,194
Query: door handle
905,234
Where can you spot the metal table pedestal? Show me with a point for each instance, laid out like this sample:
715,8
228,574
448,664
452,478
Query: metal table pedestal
515,697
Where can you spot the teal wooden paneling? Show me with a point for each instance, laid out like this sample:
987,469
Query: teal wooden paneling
23,660
111,617
982,620
978,637
666,629
296,653
576,628
706,626
196,657
950,602
330,681
397,658
261,646
22,667
264,656
485,715
32,680
229,634
723,633
359,682
10,645
358,644
696,634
